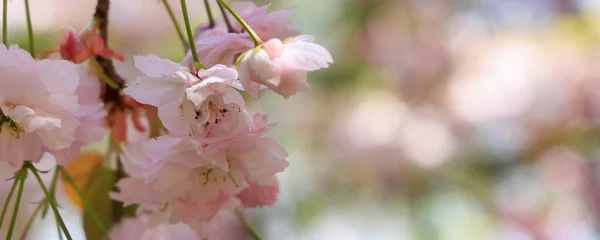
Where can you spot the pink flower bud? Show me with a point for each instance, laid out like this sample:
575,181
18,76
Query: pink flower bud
72,49
79,47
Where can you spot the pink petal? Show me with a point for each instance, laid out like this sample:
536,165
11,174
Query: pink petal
257,195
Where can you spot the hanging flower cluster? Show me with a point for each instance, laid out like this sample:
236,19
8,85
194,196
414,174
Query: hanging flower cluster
211,156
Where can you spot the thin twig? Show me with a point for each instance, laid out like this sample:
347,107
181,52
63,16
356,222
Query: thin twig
211,19
29,28
257,41
230,28
247,225
5,22
60,221
176,24
52,191
190,36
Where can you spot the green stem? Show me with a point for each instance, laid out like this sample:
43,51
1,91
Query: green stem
50,200
101,74
188,29
5,22
255,38
9,197
52,191
29,28
247,225
30,220
60,236
211,19
88,207
13,220
175,23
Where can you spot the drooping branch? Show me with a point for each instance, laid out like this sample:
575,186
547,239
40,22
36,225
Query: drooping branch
111,96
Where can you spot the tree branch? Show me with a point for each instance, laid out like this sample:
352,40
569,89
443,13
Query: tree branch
111,96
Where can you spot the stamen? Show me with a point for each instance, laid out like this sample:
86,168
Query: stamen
208,172
233,180
229,173
16,129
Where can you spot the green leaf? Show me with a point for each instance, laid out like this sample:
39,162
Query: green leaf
95,182
96,192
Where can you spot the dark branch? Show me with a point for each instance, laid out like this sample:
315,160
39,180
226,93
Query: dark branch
112,97
226,19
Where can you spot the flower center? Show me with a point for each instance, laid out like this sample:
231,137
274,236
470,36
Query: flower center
7,124
214,118
215,175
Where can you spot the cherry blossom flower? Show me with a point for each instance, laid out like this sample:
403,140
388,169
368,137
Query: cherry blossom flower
195,179
218,46
38,106
282,66
171,165
203,105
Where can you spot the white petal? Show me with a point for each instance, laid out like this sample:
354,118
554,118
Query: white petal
154,91
154,66
59,76
262,68
307,56
29,121
220,71
233,96
197,95
303,37
251,87
171,117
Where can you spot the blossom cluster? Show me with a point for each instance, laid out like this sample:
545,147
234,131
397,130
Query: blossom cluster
215,156
211,158
49,106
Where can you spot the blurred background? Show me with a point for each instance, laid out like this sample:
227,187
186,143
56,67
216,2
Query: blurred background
439,119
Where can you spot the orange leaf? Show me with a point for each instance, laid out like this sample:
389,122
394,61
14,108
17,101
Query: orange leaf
81,169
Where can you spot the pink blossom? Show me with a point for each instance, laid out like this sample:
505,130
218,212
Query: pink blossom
203,105
190,208
218,46
137,228
38,106
282,66
224,225
91,114
267,25
194,178
257,195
